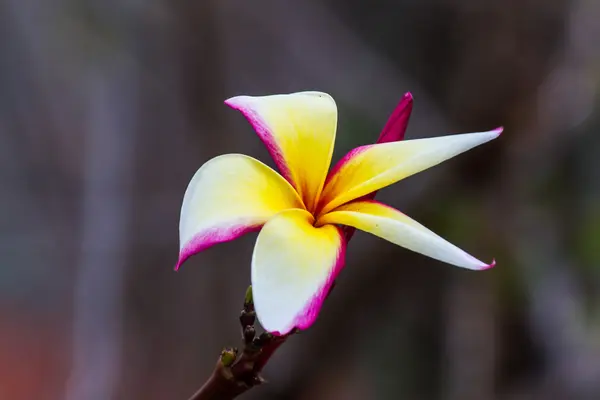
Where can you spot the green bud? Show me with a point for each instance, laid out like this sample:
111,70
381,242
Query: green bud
248,300
228,356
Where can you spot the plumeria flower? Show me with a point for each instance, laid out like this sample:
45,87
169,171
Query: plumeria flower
301,210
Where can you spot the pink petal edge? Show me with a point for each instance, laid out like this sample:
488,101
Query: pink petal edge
309,314
209,238
263,132
395,127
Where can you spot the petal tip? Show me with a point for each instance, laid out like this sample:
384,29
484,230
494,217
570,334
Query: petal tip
408,96
233,101
498,131
183,256
238,102
489,266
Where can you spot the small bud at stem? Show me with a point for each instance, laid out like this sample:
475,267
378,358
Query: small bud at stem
249,333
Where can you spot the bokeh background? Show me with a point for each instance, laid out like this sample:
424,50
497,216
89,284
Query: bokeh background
108,107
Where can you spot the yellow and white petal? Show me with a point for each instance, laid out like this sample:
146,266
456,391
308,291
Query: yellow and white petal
390,224
369,168
293,267
299,131
228,196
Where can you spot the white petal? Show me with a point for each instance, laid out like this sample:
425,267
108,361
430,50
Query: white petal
293,267
390,224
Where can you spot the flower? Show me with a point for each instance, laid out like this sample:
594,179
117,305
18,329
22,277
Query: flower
301,247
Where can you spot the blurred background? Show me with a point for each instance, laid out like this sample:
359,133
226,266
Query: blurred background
108,107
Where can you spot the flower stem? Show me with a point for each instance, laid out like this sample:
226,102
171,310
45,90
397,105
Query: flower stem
235,372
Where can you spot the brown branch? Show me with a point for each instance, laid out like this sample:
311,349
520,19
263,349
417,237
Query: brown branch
237,373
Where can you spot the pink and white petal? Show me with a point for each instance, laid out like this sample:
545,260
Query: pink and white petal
228,196
390,224
293,267
373,167
298,129
395,128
